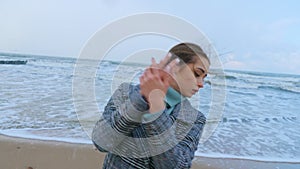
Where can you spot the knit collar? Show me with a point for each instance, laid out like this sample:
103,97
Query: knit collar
173,97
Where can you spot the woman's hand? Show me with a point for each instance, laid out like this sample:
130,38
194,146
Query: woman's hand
154,83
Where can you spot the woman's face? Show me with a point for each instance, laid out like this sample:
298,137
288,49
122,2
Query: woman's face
190,77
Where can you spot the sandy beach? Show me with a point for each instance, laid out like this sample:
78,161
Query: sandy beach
20,153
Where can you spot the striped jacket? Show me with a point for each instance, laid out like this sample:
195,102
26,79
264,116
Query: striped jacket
167,142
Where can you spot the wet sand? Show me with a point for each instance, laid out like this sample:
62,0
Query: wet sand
20,153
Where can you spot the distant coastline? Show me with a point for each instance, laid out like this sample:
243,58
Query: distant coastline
15,54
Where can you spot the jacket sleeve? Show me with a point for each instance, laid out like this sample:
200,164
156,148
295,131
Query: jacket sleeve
182,139
122,114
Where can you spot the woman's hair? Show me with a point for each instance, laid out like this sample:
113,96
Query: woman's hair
187,53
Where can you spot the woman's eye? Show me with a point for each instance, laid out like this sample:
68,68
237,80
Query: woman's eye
196,74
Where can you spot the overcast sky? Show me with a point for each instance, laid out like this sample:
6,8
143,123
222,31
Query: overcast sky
253,35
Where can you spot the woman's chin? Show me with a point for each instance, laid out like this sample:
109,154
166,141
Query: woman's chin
189,95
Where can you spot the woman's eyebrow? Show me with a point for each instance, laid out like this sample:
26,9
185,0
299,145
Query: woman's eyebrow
200,68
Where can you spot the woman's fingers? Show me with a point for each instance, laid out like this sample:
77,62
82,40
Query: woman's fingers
160,71
151,69
172,67
164,61
154,67
162,64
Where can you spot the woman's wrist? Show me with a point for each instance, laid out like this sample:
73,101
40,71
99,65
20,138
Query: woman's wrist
156,106
156,101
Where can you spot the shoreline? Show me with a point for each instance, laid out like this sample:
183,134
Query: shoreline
21,153
248,159
201,155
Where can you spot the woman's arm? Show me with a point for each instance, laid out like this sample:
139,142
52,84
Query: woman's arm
122,114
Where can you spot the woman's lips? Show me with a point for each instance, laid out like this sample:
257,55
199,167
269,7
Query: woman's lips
195,91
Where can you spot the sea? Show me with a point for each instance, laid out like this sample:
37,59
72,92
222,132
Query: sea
259,121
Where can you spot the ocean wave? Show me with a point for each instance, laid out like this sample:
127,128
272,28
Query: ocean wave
297,84
30,134
229,77
244,93
266,119
252,158
221,76
244,84
290,89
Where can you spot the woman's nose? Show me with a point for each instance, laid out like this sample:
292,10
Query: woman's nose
200,82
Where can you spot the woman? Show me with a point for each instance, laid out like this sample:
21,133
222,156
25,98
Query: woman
153,125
